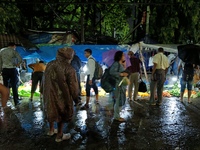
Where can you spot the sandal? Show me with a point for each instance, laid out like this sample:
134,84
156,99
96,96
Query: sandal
64,137
49,133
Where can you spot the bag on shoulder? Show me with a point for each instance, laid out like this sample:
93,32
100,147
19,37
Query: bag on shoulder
108,82
98,70
188,72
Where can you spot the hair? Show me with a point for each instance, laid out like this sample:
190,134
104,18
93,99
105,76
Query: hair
89,51
11,44
130,53
118,56
160,49
41,61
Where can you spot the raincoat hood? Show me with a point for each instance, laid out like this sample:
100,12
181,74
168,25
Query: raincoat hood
65,53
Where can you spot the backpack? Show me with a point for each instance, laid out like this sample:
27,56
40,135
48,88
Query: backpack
108,82
188,72
98,70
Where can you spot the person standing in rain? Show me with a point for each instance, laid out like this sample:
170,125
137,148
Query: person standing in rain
76,64
117,70
134,69
10,60
60,88
186,78
90,78
37,74
158,77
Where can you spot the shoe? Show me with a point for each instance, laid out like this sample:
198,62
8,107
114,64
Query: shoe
49,133
189,102
85,107
120,120
18,103
64,137
129,99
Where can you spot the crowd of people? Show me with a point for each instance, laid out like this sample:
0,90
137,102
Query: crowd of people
60,83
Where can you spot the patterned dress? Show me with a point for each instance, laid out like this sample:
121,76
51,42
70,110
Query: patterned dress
60,87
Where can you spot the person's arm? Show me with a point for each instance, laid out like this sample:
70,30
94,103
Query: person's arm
19,58
91,67
114,71
31,66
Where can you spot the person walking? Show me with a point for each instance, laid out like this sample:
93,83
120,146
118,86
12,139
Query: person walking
158,77
37,74
90,83
135,74
60,88
10,60
117,70
186,78
76,64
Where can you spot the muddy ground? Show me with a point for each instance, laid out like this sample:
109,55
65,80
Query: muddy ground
173,125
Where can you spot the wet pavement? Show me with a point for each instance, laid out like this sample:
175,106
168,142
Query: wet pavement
173,125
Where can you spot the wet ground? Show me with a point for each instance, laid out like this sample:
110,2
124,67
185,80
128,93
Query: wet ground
173,125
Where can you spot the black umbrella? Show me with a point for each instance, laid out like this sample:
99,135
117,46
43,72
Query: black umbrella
189,53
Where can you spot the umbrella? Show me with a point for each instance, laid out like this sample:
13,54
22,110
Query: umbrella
108,58
189,53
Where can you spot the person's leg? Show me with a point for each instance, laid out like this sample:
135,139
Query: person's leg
189,87
130,87
183,85
60,136
136,85
94,86
88,87
4,94
35,80
6,77
116,104
153,85
14,80
160,85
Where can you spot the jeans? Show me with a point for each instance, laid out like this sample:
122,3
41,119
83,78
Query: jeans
88,86
157,84
11,77
184,83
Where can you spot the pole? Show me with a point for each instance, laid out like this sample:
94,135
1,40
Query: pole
142,59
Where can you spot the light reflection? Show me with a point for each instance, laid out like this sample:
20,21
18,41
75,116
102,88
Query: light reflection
38,116
81,118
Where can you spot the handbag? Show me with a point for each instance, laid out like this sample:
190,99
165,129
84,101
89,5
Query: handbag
142,86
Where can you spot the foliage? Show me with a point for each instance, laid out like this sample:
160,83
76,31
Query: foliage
178,22
171,21
9,18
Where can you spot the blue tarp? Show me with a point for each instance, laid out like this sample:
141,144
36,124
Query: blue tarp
48,53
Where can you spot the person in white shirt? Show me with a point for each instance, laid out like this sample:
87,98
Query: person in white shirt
158,77
90,78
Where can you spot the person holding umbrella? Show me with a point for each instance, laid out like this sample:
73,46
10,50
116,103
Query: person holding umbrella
186,79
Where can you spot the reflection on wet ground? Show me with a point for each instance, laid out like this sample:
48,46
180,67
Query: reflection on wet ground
174,125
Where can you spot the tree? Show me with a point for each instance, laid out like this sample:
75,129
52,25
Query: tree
9,18
177,22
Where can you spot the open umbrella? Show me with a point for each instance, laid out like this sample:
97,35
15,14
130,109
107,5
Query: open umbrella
108,58
189,53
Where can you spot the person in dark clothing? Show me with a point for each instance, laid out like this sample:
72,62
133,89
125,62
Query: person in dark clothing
10,60
38,71
76,64
134,69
